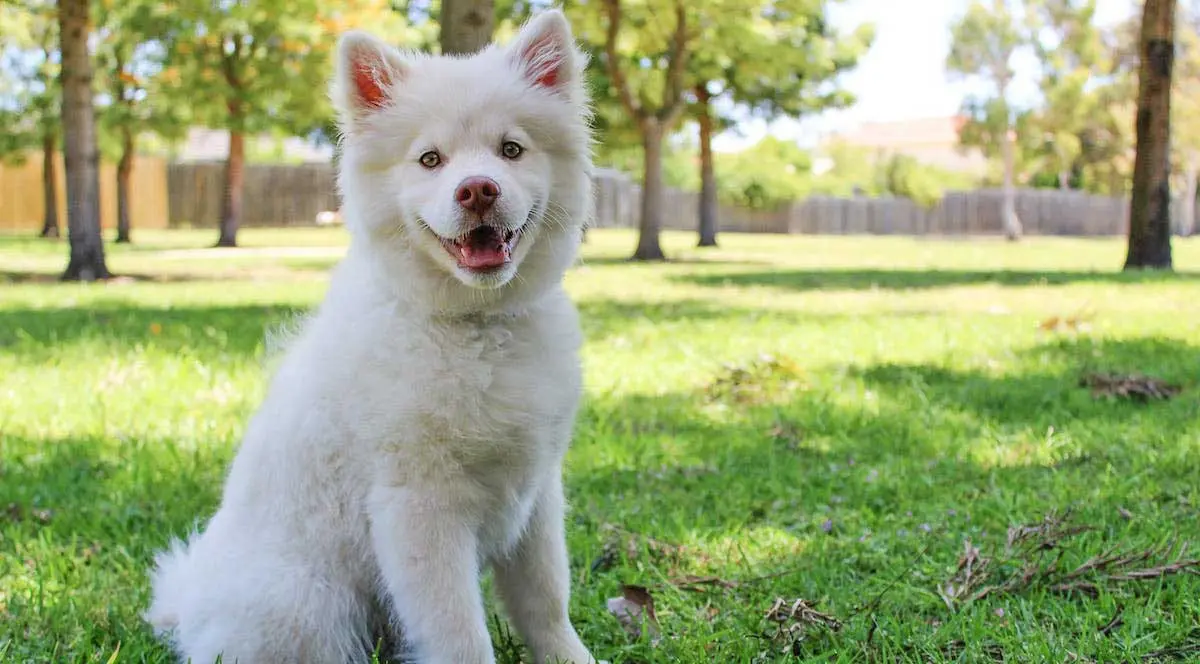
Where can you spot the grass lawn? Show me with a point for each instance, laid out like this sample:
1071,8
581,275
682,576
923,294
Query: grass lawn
919,405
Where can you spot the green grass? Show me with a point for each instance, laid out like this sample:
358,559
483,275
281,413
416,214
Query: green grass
923,406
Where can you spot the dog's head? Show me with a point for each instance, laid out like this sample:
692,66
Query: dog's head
476,169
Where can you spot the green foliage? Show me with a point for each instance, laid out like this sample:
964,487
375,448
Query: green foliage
1185,101
904,176
984,40
254,66
132,74
29,64
987,122
769,173
866,172
769,57
774,171
777,57
1071,51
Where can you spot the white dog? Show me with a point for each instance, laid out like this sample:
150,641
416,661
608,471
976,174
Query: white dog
415,429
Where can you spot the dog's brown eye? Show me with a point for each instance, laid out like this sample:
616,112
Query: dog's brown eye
511,150
431,159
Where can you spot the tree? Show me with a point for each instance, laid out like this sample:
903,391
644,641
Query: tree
1185,113
645,58
982,43
82,153
30,102
466,25
1070,49
131,57
255,66
1107,141
1150,204
781,60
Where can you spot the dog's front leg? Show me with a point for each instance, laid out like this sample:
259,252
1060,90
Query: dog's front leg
534,583
427,553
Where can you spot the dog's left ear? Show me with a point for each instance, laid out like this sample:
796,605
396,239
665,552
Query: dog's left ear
544,51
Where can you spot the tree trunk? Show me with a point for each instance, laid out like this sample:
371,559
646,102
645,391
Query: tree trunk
1064,179
1013,229
466,25
708,178
124,170
49,186
231,206
648,247
1187,213
1150,203
81,153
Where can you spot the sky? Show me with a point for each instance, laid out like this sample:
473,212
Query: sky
904,74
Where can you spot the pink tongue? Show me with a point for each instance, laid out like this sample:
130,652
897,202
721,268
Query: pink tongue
483,255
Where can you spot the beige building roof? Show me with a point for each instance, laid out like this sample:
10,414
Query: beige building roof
930,140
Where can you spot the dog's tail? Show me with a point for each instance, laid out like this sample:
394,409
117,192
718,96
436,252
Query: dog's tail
168,583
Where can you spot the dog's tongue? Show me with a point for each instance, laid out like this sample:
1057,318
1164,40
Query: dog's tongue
483,249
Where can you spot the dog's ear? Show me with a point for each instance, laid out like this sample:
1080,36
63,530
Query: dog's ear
544,51
367,72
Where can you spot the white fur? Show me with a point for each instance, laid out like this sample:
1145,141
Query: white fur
416,427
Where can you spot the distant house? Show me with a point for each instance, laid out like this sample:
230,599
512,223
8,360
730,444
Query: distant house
933,141
203,144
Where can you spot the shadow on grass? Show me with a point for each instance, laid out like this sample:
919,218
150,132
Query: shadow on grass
832,490
604,318
871,279
204,330
276,269
87,515
44,278
1031,437
599,261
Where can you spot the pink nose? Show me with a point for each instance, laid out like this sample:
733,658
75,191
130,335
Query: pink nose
477,194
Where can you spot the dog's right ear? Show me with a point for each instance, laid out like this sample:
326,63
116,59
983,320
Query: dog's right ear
368,71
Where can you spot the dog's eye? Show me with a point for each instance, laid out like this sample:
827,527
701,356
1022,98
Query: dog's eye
511,150
431,159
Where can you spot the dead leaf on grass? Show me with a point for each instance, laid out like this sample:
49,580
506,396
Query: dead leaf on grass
968,577
692,582
634,609
1046,534
956,649
1028,563
1079,323
1131,386
17,513
794,617
763,380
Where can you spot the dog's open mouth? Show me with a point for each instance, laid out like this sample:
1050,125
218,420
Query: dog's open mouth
484,248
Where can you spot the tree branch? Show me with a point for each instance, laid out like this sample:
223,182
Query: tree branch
613,9
673,101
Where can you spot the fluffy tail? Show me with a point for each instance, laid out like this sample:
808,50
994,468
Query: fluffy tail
168,584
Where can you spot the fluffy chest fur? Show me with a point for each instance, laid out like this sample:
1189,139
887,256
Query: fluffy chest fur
477,408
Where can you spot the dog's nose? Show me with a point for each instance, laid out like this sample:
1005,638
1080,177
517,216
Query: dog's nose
477,194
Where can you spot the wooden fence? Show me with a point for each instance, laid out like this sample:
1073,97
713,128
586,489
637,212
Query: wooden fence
274,195
22,201
189,195
1042,211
